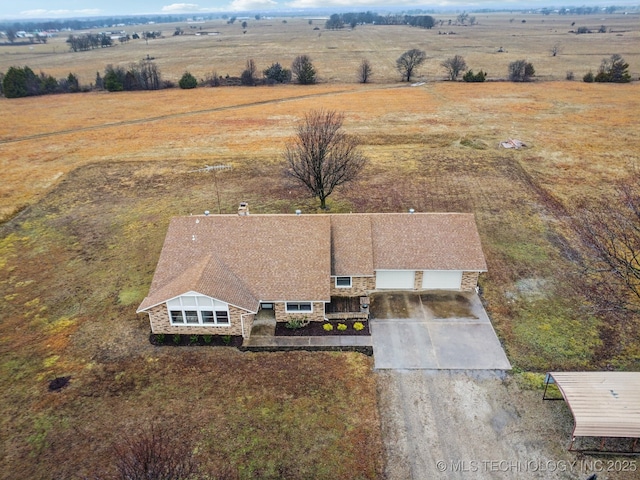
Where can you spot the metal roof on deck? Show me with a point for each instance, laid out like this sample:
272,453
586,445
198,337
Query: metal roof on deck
603,404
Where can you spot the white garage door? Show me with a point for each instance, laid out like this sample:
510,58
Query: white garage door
395,279
441,279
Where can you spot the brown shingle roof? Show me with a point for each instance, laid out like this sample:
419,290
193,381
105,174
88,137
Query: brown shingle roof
257,257
208,276
426,241
246,259
351,245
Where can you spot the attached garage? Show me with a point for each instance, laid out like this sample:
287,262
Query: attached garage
395,279
441,279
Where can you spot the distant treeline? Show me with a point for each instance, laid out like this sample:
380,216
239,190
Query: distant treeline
362,18
340,20
579,10
23,82
89,41
94,22
145,75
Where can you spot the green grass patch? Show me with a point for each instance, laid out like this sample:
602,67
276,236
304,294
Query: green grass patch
551,334
530,380
132,296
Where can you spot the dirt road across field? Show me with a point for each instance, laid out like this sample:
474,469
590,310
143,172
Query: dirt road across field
471,425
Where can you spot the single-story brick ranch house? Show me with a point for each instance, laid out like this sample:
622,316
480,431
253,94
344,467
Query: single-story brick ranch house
217,272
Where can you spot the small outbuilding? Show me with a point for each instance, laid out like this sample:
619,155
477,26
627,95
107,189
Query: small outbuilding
603,404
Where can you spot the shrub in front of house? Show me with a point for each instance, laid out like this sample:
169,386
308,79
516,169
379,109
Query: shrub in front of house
296,323
191,340
358,326
342,327
327,327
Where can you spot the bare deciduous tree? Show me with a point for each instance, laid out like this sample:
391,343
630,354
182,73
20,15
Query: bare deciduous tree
555,50
11,35
454,66
364,71
462,17
145,75
155,453
521,71
409,61
611,231
248,76
322,157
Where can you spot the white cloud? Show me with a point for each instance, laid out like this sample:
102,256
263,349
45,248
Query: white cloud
89,11
348,3
42,13
182,8
385,3
241,5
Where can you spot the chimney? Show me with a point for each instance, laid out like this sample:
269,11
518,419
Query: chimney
243,209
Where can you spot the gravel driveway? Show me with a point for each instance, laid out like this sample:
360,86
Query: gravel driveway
440,424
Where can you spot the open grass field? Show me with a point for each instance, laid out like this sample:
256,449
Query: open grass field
90,181
336,54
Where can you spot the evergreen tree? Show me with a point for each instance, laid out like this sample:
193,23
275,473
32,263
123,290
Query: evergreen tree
188,81
614,70
14,83
303,70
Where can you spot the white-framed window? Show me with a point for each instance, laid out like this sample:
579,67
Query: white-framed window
198,310
299,307
343,282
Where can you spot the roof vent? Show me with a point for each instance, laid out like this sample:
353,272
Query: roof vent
298,212
243,209
206,213
411,210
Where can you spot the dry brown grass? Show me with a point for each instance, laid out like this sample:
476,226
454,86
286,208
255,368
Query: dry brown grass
74,268
562,121
101,174
336,54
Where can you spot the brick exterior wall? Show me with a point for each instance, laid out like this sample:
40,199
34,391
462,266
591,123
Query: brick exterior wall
248,321
360,287
316,316
469,281
417,280
160,323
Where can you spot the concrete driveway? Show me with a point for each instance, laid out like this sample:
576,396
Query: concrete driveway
437,330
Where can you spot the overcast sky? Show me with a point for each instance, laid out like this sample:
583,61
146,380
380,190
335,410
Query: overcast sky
23,9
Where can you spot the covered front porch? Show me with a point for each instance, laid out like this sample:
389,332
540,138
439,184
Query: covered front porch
344,308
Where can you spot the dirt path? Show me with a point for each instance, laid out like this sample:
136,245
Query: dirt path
477,425
189,114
